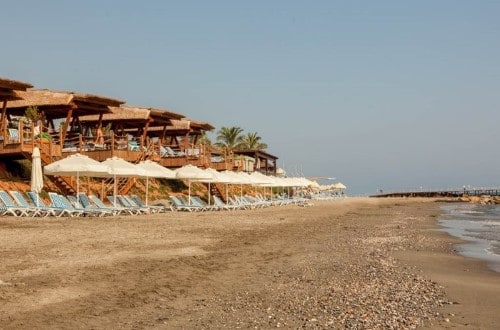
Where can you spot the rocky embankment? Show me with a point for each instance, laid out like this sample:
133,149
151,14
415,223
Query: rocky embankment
483,199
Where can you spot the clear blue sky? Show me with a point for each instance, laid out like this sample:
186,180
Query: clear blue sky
380,94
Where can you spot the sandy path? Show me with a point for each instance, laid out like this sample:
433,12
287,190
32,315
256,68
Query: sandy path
330,265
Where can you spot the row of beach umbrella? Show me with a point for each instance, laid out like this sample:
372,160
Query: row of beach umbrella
80,165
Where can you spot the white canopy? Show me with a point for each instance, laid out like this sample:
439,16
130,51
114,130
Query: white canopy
191,172
155,170
261,179
235,178
121,168
77,164
217,176
339,185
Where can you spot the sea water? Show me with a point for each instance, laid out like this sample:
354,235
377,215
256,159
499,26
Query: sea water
479,225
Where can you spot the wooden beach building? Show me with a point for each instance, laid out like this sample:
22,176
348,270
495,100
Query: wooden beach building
56,130
62,123
9,91
264,161
139,133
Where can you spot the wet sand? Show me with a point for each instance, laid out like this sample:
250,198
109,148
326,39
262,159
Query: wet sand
362,263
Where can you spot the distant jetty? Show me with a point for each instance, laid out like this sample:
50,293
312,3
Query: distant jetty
476,195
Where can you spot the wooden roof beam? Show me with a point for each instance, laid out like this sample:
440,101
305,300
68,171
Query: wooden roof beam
65,126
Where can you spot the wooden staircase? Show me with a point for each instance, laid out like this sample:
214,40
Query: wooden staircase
125,184
215,190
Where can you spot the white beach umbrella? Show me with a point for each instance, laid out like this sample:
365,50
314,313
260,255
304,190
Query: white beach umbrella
192,173
339,185
245,179
261,179
121,168
230,177
217,177
314,185
306,182
155,170
36,172
77,165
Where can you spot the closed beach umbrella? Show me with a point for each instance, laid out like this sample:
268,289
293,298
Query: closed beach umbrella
121,168
155,170
190,173
36,171
77,165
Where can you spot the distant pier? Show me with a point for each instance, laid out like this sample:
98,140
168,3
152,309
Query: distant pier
441,193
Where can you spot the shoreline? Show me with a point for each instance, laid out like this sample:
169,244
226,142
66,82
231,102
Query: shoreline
470,283
357,262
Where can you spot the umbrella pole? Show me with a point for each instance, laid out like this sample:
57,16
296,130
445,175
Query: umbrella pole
241,190
114,190
189,192
227,193
147,189
209,193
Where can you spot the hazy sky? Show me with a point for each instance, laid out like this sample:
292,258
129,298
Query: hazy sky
379,94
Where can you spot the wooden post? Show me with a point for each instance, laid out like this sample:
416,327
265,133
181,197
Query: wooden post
33,134
145,132
4,120
61,141
65,126
20,128
102,187
49,142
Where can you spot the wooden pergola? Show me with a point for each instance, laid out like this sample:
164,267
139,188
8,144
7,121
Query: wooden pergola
8,92
131,120
264,162
182,137
55,107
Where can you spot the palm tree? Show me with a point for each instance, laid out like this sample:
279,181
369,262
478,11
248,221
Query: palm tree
252,141
229,138
204,139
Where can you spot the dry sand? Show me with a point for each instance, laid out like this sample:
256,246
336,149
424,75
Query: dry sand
355,263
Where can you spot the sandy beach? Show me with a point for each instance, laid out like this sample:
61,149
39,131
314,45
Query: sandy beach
353,263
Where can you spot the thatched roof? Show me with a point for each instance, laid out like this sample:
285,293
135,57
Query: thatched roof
134,115
166,113
56,104
189,124
201,125
124,114
255,154
180,127
14,84
9,87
